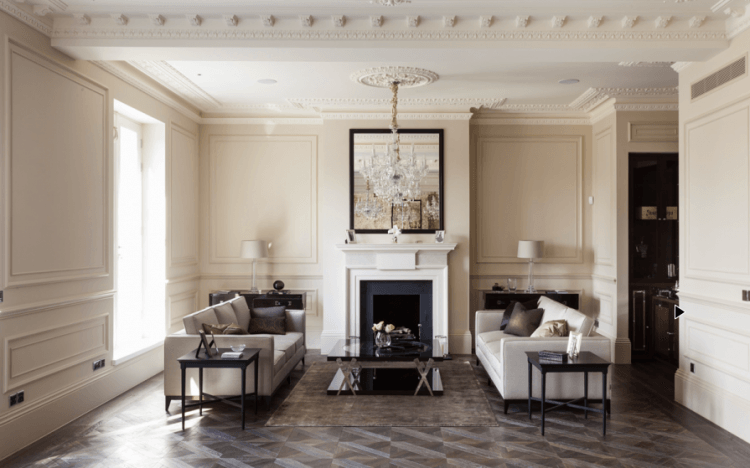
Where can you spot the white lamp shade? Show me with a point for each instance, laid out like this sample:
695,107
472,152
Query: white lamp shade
530,249
254,249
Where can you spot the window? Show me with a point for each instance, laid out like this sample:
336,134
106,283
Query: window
139,322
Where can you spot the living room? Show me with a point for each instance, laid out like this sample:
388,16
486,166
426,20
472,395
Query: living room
239,121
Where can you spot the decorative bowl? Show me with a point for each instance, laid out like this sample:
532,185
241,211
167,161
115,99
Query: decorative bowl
238,348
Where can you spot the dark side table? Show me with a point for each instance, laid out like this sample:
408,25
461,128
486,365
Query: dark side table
585,362
249,356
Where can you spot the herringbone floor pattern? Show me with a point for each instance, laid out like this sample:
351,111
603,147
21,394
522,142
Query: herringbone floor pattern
133,431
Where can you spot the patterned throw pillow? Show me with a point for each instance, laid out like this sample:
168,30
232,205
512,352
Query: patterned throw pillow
530,304
268,320
551,328
223,329
523,322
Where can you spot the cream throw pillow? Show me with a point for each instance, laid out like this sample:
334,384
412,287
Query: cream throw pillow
551,328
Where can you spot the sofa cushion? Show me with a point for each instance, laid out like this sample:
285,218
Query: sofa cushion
225,313
270,320
195,321
223,329
279,359
579,322
241,310
531,304
299,339
551,328
553,310
281,343
523,322
490,337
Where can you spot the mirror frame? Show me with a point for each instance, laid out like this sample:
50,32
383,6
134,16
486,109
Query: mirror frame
441,147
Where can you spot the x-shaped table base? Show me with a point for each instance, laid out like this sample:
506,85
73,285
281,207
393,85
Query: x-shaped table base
351,369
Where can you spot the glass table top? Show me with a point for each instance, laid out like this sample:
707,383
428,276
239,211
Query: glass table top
365,350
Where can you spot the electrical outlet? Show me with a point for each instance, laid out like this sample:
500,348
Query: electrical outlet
692,367
13,400
19,396
1,296
98,364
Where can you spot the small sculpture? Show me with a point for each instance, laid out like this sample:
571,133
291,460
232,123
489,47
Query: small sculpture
395,231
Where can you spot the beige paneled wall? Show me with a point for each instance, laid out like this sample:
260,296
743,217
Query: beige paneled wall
261,182
57,216
714,239
530,182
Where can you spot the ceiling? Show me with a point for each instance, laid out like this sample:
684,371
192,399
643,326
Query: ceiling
491,56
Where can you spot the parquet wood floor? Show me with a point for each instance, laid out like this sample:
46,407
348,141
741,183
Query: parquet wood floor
646,429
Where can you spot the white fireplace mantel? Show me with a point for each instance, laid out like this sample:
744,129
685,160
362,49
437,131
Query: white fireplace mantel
397,262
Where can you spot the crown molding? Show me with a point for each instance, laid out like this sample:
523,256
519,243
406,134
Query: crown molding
604,110
157,94
531,121
401,116
260,121
647,106
27,17
360,35
593,97
737,26
317,103
167,75
679,66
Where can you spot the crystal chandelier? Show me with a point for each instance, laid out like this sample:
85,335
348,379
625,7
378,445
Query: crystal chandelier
369,208
394,175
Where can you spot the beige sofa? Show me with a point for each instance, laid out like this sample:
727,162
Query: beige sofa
504,356
279,354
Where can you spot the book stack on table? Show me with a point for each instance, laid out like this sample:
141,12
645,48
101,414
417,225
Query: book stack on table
231,355
556,356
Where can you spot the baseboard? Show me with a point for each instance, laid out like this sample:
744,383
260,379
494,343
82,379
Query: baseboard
460,343
723,408
328,340
37,422
622,351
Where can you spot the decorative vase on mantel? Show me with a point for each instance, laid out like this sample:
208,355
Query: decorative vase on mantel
395,232
382,339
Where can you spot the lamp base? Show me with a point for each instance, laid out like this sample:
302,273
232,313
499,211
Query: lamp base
530,289
254,290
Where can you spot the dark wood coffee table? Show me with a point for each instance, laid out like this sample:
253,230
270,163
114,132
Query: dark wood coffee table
365,369
249,356
585,362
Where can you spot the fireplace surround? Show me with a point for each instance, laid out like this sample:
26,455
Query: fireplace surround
426,263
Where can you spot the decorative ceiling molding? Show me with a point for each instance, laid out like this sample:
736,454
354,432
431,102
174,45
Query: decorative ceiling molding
535,108
593,97
175,81
679,66
532,121
401,116
306,20
389,2
25,16
261,121
735,27
697,21
413,34
194,20
157,94
317,104
449,21
594,21
647,64
647,106
382,77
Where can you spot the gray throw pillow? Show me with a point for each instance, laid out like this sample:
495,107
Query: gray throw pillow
530,304
523,322
268,320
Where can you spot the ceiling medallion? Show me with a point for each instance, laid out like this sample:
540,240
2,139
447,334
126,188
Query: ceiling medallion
389,2
383,77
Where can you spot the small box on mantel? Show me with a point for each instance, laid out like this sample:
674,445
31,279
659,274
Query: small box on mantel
646,212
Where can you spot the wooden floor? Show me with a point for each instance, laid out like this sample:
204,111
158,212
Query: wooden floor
646,429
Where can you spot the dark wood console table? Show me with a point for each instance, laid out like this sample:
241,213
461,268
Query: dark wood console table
493,300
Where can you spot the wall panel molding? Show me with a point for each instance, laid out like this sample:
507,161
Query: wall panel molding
717,254
605,240
188,298
35,355
180,220
717,347
44,306
548,172
653,132
259,203
85,252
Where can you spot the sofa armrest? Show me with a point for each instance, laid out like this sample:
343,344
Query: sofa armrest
488,320
295,321
177,345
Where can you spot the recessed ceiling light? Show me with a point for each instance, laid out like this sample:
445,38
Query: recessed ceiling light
569,81
267,81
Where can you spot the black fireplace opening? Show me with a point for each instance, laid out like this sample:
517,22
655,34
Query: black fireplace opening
401,303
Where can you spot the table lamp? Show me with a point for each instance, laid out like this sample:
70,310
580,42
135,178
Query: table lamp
531,250
254,249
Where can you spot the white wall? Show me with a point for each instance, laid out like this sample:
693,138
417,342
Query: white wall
530,182
56,233
262,182
715,245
